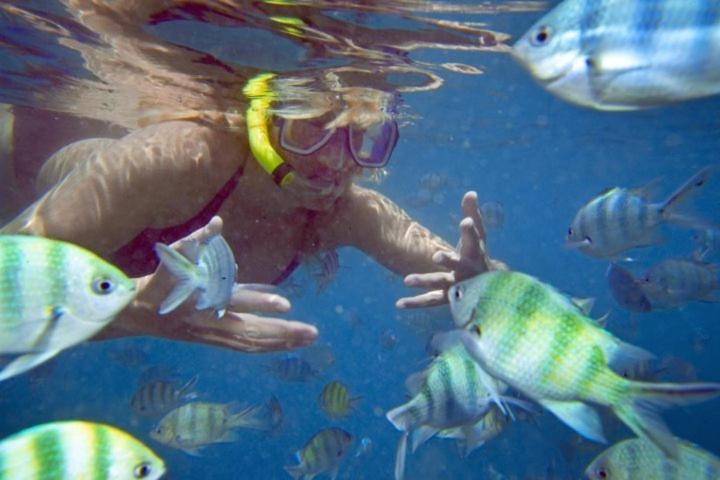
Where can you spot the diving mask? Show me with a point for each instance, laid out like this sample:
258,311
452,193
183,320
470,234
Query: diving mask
369,147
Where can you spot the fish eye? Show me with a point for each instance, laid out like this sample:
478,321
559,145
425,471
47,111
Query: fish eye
588,239
103,286
458,294
143,470
570,232
602,473
542,36
476,330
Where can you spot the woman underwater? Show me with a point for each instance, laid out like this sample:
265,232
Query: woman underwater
280,181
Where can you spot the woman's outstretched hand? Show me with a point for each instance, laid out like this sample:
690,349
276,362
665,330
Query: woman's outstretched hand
469,259
238,328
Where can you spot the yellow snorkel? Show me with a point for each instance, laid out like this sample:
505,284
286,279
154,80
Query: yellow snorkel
261,96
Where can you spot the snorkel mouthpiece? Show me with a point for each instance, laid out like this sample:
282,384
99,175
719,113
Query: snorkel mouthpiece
261,96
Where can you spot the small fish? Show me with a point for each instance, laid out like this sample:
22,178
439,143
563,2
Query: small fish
626,290
620,219
292,368
195,425
434,181
493,214
129,356
674,282
451,392
335,400
323,453
532,337
636,458
276,415
53,295
210,268
625,54
77,450
157,398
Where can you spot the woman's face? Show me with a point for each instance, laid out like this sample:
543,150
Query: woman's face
322,176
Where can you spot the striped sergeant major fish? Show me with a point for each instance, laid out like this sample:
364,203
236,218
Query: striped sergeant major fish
198,424
209,268
637,458
53,295
157,398
532,337
620,219
452,392
675,282
471,437
75,450
335,400
625,54
323,453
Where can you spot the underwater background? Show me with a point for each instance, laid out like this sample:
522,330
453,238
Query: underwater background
498,133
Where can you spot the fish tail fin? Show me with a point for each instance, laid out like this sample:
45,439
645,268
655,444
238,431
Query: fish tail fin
639,408
695,182
187,392
400,456
183,270
255,417
295,471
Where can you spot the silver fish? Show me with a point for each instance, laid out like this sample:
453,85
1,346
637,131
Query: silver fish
625,54
620,219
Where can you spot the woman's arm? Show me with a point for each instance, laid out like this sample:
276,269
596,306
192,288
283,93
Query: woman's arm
101,193
371,222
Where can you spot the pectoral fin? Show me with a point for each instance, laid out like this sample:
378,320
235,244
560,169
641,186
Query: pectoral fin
25,362
580,417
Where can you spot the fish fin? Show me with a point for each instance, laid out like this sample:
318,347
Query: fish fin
602,322
421,435
254,416
186,392
527,406
580,417
183,270
295,471
475,436
25,362
695,182
191,250
228,437
414,382
584,304
638,409
400,456
622,356
400,417
195,452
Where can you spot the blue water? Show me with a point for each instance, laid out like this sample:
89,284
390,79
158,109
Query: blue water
503,136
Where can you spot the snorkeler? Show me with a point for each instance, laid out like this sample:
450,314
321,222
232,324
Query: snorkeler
283,189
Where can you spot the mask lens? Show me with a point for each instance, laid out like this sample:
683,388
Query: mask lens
304,136
372,147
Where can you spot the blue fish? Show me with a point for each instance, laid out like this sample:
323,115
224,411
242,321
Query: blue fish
625,54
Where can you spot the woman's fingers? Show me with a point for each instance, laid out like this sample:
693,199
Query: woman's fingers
428,299
433,280
252,333
250,299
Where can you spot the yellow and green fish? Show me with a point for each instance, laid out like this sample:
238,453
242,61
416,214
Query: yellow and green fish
335,400
53,295
77,450
198,424
323,453
535,339
636,458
